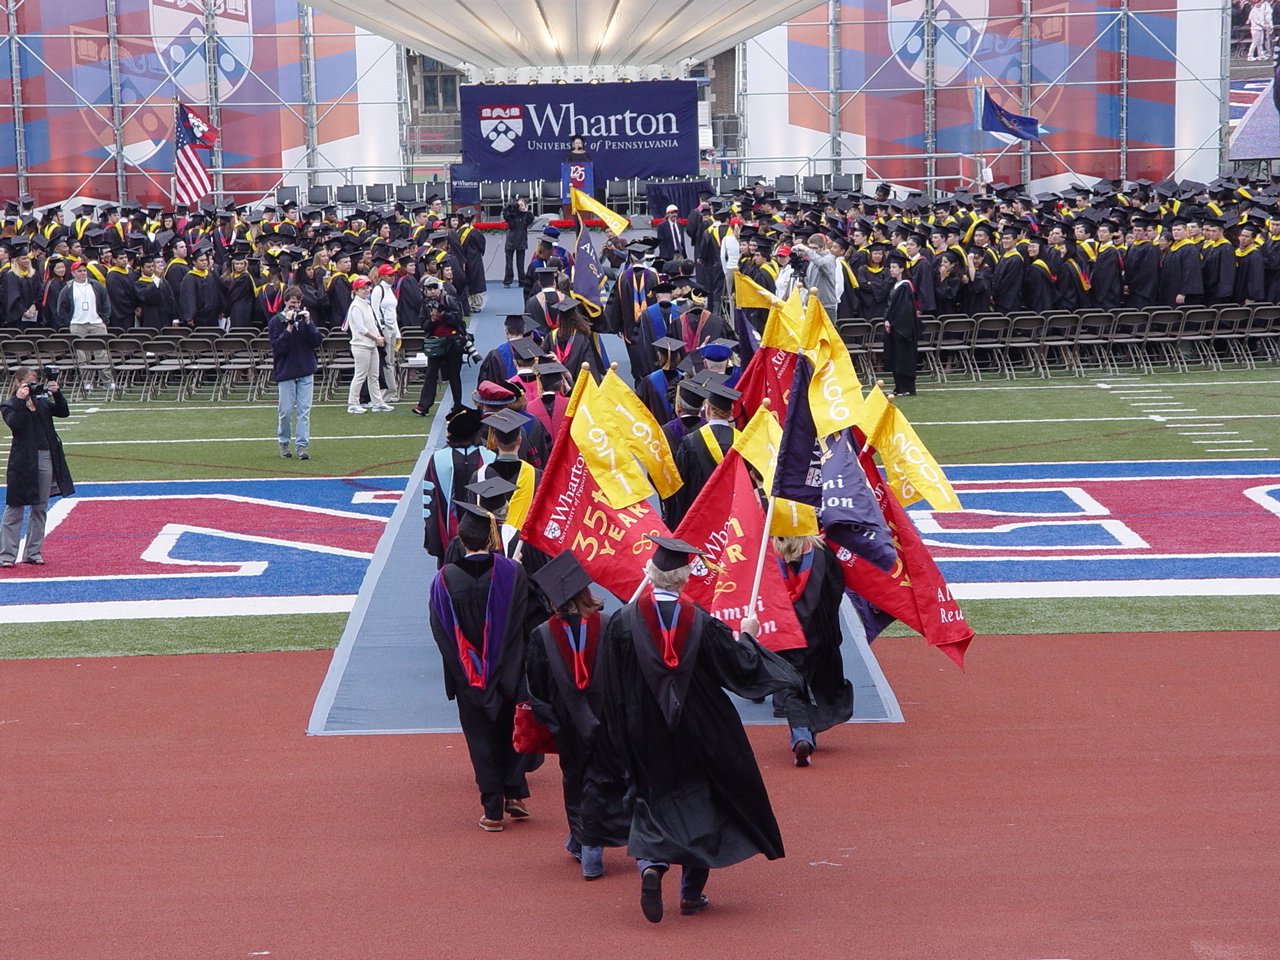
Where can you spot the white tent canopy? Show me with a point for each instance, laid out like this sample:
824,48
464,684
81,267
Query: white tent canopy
571,40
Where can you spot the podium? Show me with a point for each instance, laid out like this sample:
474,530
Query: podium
578,175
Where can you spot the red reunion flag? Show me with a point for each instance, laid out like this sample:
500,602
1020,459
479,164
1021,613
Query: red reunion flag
570,512
914,591
768,373
721,582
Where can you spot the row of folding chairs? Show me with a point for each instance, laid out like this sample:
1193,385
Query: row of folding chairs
1059,343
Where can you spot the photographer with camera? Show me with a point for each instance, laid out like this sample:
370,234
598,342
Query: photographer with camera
447,341
294,340
519,219
37,468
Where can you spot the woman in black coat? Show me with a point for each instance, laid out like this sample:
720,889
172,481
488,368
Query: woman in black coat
37,468
57,275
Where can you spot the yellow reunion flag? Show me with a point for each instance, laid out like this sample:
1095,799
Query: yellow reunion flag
759,442
749,294
835,393
596,430
641,433
785,326
912,471
584,202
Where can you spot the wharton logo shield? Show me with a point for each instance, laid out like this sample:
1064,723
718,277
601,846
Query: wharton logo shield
958,29
178,34
502,126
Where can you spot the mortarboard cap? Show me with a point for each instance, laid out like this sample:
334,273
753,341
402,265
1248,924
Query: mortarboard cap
669,343
561,579
720,396
672,553
504,420
492,489
526,349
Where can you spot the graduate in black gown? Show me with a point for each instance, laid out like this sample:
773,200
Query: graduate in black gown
816,585
901,329
701,451
657,390
500,363
566,691
699,799
449,470
574,343
478,608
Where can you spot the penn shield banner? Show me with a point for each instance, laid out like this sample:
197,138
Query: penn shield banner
631,129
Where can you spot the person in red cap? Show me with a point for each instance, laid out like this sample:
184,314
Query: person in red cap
387,308
699,798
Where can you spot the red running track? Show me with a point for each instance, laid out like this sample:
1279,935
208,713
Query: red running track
1069,797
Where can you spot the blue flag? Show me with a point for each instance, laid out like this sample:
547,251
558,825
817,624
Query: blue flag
799,473
587,276
1005,125
849,514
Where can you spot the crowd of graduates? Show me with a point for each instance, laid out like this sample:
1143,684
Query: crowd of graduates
1110,245
229,266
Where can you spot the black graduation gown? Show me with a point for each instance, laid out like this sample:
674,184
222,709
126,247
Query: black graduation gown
1142,274
121,293
850,304
1038,286
1249,277
1271,268
1218,268
592,779
440,521
946,295
1180,274
239,301
487,715
156,301
1107,278
199,303
873,291
498,364
701,326
699,798
48,315
976,296
174,274
541,306
459,260
472,248
634,288
828,696
921,273
694,461
575,349
408,301
1006,283
902,337
338,290
18,295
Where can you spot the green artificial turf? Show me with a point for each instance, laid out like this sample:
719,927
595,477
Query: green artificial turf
125,638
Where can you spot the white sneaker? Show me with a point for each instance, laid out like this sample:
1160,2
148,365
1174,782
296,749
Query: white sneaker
382,408
356,408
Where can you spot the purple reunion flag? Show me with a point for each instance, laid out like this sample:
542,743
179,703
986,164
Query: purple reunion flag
829,477
587,274
850,515
799,474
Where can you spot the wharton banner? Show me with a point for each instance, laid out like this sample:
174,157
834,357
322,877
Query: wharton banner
631,129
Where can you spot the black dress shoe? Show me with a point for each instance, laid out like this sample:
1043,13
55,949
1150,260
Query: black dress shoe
689,907
651,894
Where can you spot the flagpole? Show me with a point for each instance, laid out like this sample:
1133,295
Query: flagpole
764,540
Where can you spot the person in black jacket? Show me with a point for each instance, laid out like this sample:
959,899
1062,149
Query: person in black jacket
901,328
294,340
519,220
37,469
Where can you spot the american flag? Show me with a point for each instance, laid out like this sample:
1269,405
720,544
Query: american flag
191,181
